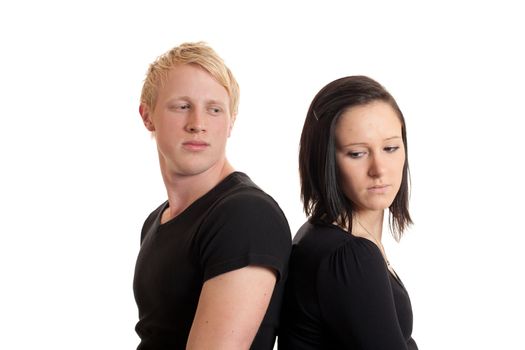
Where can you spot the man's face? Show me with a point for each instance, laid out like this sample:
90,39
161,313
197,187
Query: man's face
192,121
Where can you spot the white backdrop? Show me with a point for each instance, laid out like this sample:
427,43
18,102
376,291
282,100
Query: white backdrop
79,171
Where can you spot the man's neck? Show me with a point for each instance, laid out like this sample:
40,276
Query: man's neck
184,190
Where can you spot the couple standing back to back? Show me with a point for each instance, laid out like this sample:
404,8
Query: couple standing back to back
216,268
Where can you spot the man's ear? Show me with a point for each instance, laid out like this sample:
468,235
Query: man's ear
146,117
232,121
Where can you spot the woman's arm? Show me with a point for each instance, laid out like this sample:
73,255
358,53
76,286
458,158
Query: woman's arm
356,299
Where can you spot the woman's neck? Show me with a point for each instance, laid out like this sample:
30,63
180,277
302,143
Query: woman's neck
368,223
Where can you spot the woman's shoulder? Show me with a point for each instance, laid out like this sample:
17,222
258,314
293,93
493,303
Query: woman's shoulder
319,236
329,242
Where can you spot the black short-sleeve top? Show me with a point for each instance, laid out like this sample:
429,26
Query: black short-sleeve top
234,225
341,295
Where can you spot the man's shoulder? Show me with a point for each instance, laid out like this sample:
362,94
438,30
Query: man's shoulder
244,203
153,219
244,194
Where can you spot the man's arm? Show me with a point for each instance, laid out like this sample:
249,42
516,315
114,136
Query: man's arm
231,308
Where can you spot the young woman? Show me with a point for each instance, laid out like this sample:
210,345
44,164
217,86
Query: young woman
342,293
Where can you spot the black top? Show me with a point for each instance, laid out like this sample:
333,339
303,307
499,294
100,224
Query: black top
232,226
341,295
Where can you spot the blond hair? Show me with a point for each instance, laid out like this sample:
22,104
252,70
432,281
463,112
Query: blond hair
198,53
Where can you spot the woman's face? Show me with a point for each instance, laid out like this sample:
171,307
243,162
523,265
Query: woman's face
370,155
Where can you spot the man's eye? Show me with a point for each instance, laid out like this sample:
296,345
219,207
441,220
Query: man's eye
180,107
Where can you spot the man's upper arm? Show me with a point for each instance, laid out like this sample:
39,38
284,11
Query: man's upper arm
231,308
244,249
245,230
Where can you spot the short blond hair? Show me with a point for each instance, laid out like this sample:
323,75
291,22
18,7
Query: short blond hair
198,53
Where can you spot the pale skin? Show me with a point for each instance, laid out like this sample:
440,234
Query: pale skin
192,121
370,155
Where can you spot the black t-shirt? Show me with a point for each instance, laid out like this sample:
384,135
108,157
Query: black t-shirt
232,226
341,295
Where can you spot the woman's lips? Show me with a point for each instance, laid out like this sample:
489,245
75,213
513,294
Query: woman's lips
379,189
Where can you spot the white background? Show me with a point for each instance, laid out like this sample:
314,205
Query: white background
79,171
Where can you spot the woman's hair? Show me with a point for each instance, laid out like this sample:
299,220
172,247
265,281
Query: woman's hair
323,198
199,54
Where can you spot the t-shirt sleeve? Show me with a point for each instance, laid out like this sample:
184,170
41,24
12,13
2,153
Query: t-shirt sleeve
356,300
247,228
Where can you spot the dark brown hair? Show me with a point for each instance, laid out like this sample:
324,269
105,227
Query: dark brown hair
321,193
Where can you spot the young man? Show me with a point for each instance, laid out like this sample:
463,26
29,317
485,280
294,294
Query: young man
213,258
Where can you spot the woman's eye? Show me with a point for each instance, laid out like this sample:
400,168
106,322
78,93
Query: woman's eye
215,110
391,149
355,155
184,107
